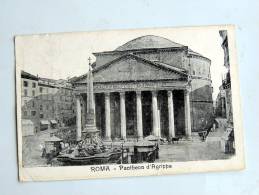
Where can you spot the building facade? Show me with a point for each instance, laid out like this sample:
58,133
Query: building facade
56,101
224,100
148,86
46,103
29,93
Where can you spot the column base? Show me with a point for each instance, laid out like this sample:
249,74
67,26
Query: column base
107,139
78,139
169,139
188,138
140,138
124,138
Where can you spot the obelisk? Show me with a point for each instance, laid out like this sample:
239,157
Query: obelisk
90,93
90,129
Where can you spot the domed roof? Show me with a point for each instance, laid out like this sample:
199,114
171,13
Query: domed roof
148,42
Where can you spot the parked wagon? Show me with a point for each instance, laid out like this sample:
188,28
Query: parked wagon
82,157
52,148
145,151
203,135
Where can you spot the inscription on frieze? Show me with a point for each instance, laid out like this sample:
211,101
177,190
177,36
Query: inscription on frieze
150,85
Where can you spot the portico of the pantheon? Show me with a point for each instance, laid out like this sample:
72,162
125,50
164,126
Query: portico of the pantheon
148,86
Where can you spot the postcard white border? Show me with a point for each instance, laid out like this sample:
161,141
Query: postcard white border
237,162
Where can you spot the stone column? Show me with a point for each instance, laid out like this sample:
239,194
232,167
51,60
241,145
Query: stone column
155,113
123,115
188,130
107,117
171,114
78,118
158,123
139,116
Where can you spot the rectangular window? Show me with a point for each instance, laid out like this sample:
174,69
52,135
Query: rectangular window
33,93
33,104
24,113
41,115
33,113
25,92
40,107
25,83
41,89
33,85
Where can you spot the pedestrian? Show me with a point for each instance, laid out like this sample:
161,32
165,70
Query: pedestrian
43,149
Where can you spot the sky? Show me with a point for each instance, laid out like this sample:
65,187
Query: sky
65,55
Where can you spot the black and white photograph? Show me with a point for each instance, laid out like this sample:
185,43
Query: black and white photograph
127,103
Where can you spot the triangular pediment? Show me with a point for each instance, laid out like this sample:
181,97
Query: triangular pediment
133,68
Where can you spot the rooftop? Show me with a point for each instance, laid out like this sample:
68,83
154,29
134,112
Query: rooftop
27,75
148,42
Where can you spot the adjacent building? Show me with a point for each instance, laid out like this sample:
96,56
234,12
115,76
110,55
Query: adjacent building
56,101
46,103
30,109
148,86
224,99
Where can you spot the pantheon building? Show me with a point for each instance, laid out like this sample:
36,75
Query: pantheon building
148,86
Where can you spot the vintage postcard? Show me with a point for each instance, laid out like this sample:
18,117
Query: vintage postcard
124,103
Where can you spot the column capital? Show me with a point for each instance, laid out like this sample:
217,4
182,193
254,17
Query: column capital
122,93
138,93
154,93
187,91
170,92
187,87
107,94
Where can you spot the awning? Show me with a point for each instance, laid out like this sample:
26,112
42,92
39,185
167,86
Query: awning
53,122
44,122
144,143
27,122
221,120
151,138
227,133
53,139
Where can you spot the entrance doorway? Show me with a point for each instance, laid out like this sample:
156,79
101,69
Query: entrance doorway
147,113
131,114
179,116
